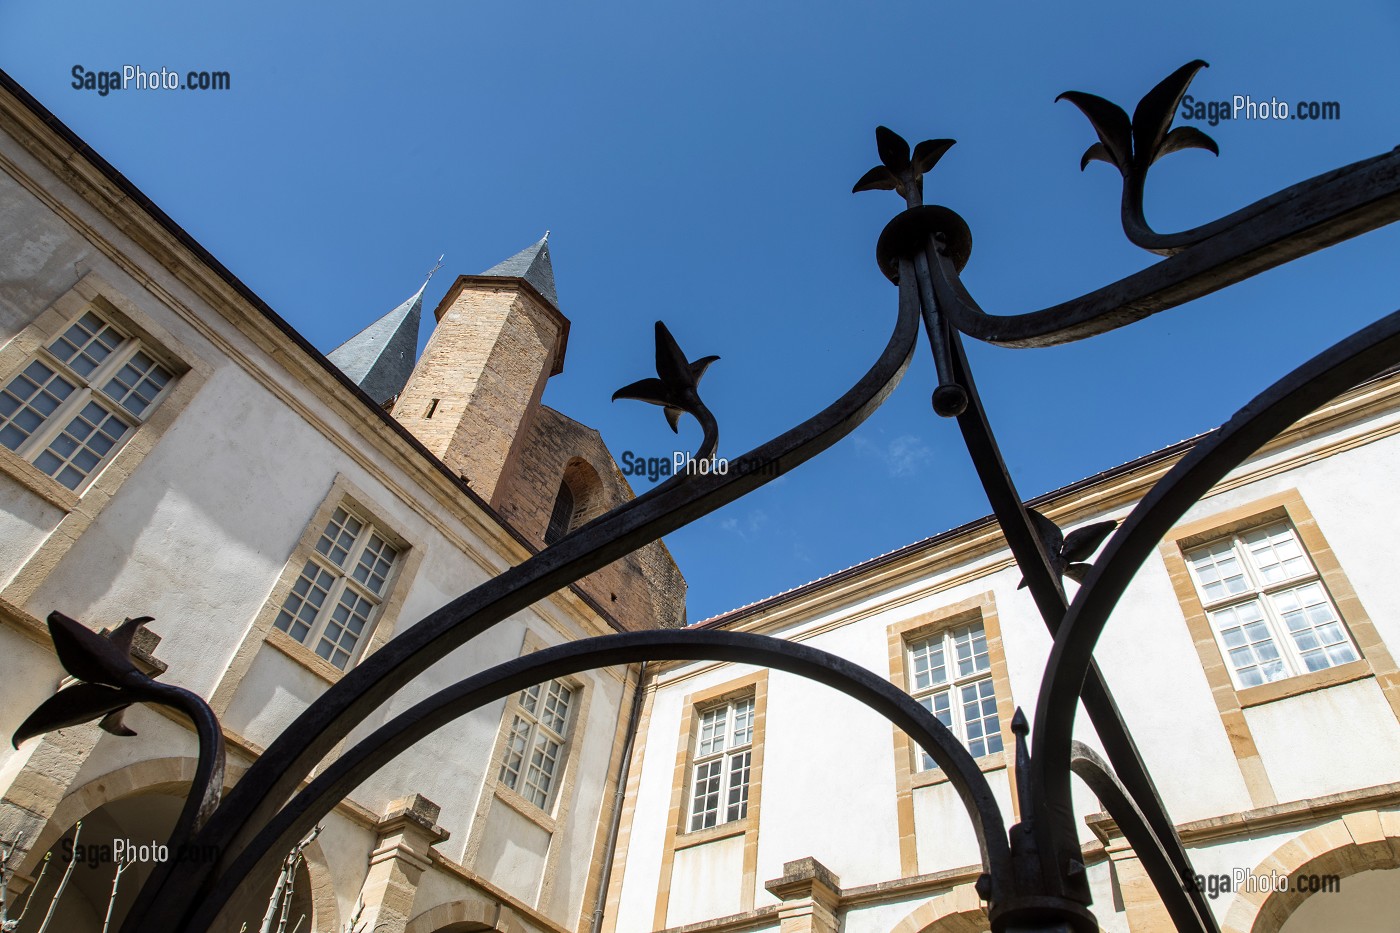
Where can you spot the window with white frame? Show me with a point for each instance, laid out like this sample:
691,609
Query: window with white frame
950,674
536,743
336,598
719,785
1270,612
80,398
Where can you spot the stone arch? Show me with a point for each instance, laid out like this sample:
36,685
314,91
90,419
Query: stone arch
957,911
171,776
152,776
467,915
1354,843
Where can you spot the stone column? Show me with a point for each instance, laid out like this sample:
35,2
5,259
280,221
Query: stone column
1145,911
406,834
810,894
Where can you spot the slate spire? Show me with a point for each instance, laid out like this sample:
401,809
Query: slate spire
533,265
380,358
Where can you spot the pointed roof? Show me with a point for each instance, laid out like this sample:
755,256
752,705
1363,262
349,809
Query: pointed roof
380,358
531,264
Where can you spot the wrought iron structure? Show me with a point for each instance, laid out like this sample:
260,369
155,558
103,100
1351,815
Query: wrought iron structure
1033,878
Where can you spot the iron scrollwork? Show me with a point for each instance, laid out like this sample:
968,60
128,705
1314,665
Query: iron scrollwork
1033,877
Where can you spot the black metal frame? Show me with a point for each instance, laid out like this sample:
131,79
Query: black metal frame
1033,878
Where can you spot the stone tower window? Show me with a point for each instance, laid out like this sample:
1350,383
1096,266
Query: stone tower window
561,519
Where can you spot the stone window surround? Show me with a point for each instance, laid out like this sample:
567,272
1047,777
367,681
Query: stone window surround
81,509
343,581
724,756
566,778
1231,701
342,492
515,710
980,608
678,816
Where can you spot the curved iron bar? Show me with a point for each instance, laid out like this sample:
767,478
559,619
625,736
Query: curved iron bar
207,785
1047,591
1174,889
1294,222
396,736
108,682
913,245
1330,373
276,774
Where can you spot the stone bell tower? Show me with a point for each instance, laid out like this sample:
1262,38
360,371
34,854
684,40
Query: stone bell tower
499,337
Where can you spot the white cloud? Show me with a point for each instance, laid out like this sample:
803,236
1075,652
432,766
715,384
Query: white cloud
906,455
749,524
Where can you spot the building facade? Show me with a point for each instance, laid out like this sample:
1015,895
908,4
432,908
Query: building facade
1253,659
170,447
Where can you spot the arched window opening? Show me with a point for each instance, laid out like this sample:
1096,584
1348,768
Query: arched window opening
561,519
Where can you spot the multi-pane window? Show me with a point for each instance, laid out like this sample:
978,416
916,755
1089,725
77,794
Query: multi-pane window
1268,607
72,406
535,745
950,674
723,760
335,598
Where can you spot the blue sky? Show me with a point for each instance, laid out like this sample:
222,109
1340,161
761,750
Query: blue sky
694,164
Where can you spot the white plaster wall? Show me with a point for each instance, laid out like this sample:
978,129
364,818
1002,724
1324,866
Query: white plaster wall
815,741
943,830
199,534
1149,661
29,675
38,252
274,692
513,856
1354,497
346,846
25,522
705,881
1327,741
880,917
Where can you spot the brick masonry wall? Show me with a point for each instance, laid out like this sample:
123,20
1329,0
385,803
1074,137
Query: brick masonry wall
643,590
485,364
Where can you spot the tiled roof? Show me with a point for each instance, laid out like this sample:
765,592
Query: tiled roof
380,358
533,265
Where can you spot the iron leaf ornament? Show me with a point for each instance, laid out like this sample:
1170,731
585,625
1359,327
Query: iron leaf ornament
108,680
1069,553
676,387
1131,146
901,171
